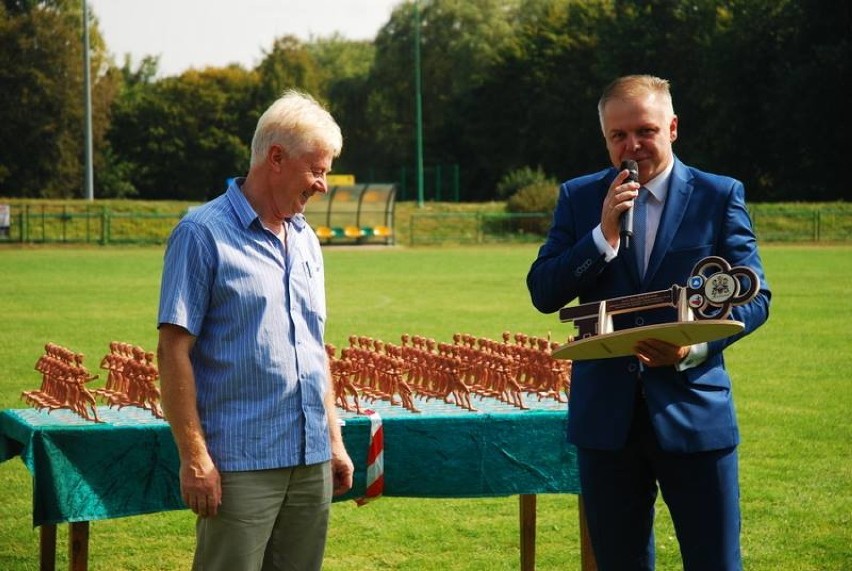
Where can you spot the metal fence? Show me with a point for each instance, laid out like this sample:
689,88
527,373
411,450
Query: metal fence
771,223
47,224
34,223
475,228
789,224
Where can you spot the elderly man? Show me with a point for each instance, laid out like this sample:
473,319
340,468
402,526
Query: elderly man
245,378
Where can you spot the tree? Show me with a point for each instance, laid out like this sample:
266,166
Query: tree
790,91
288,65
344,68
460,40
761,88
41,143
538,105
184,136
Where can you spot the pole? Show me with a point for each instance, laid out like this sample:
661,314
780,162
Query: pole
418,104
87,81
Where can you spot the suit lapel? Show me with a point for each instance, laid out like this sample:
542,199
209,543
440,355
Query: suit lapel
677,200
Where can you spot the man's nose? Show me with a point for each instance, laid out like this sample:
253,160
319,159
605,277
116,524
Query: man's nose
632,142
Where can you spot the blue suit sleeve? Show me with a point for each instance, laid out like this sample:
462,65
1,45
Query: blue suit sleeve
738,245
568,262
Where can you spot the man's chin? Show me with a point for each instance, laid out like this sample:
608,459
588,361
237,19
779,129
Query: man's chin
302,202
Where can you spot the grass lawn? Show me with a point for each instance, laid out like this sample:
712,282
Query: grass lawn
790,377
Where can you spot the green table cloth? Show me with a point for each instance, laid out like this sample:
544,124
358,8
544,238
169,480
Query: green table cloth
128,465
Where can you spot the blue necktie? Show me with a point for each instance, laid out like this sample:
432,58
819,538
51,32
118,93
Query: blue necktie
640,207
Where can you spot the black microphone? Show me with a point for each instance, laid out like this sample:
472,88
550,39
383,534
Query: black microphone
627,217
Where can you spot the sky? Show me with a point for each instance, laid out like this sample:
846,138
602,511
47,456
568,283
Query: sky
196,33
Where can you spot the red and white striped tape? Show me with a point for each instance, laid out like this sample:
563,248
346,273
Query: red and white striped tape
375,460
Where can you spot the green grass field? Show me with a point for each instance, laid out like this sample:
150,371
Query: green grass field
791,387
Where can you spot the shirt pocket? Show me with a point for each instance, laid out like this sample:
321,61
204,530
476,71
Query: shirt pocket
314,277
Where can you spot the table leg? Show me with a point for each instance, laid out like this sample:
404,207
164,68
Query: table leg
587,556
78,546
527,516
47,547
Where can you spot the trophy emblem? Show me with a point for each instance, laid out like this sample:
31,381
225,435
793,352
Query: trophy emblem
703,307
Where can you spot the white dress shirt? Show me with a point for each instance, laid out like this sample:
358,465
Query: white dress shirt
658,187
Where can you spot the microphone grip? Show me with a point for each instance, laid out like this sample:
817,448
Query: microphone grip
627,227
627,217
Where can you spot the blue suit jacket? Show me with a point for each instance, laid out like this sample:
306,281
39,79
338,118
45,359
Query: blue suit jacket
704,215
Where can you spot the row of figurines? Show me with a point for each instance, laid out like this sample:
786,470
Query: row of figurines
132,381
421,367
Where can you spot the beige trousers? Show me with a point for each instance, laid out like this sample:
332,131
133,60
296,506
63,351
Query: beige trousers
269,520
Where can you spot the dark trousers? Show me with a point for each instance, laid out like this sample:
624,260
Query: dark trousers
700,489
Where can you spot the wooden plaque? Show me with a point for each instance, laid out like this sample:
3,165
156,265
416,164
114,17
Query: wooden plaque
620,343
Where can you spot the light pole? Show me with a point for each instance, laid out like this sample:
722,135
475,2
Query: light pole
87,81
418,105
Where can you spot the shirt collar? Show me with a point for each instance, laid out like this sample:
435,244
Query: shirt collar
298,221
659,185
246,213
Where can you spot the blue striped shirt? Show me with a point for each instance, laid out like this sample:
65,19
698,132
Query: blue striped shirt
258,315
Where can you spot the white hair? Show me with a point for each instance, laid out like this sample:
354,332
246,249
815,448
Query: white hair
299,124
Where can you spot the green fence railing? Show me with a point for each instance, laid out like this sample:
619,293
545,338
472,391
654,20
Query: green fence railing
771,224
786,224
476,227
46,224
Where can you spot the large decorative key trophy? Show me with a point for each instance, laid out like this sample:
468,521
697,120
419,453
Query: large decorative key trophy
703,306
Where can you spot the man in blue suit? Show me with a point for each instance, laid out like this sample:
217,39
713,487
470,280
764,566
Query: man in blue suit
664,417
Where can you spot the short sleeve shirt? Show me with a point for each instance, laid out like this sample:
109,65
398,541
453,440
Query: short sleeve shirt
256,305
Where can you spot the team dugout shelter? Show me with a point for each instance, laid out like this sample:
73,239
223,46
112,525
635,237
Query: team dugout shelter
353,213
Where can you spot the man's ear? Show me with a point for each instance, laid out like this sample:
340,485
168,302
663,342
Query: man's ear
276,156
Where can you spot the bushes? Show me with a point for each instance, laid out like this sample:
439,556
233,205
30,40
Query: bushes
533,193
515,180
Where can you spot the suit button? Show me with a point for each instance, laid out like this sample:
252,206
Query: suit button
632,368
640,321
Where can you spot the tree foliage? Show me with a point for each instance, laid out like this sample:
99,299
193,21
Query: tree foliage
41,111
344,67
461,41
761,88
184,136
